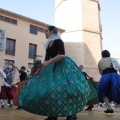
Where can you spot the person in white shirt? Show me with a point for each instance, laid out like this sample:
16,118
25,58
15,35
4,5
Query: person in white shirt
109,85
8,89
3,75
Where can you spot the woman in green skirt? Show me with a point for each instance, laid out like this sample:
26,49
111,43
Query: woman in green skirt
92,98
60,89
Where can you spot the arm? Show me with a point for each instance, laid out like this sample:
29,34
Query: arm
61,53
5,83
45,57
87,75
13,71
15,67
55,59
2,74
17,83
91,78
116,64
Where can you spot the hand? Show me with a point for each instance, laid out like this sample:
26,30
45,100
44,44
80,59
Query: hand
91,78
12,64
10,86
45,63
17,83
13,84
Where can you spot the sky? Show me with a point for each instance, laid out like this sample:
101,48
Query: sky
43,10
110,20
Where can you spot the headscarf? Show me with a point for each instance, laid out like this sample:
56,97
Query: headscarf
51,38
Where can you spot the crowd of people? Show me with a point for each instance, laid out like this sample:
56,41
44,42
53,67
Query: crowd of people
9,91
60,88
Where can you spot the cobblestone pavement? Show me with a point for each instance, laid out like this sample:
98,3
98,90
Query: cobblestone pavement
96,114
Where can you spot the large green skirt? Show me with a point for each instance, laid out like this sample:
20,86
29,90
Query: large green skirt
59,90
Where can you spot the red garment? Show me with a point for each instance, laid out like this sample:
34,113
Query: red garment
39,70
91,78
15,100
7,93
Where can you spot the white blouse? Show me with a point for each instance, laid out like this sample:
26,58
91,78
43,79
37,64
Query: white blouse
116,64
3,75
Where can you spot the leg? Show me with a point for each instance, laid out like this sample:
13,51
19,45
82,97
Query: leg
10,103
10,92
3,95
109,108
89,107
3,103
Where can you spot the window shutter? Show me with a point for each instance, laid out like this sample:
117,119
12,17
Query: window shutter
2,39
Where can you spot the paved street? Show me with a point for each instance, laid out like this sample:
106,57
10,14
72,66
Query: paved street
95,114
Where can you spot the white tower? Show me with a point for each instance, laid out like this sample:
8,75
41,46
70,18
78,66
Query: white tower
81,20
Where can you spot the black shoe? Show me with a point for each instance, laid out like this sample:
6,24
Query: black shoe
11,105
72,117
51,118
47,118
18,107
2,106
109,111
8,101
90,107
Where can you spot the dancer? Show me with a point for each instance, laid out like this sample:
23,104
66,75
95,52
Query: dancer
109,85
60,88
3,76
93,89
8,90
23,76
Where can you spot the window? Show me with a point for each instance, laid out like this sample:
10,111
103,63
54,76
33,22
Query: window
32,50
7,63
40,29
14,21
2,39
7,19
1,17
10,47
44,30
30,68
30,65
33,29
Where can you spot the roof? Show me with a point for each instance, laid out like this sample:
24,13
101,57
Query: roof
18,16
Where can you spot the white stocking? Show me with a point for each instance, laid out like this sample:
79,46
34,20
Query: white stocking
106,100
3,101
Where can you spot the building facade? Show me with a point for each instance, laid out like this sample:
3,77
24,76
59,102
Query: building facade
20,38
83,35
